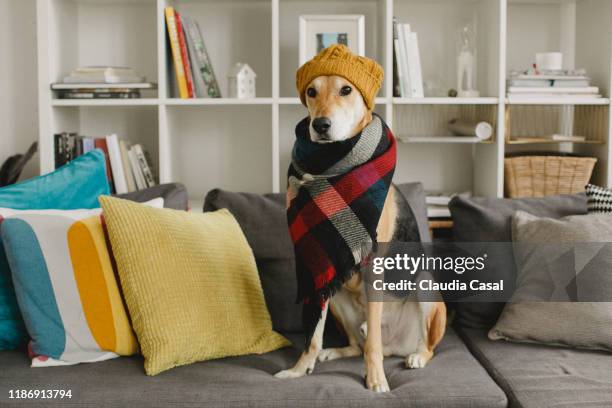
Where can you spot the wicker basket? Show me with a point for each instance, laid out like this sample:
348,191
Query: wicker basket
538,176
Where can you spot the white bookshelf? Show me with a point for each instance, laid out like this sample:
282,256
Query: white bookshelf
245,145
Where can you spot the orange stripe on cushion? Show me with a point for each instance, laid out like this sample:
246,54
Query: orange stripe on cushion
125,338
93,290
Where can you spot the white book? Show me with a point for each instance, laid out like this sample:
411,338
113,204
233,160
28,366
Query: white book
566,138
400,72
127,169
438,211
138,177
403,62
90,85
114,153
144,165
554,90
414,63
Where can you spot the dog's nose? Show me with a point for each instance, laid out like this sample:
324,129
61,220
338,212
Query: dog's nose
321,125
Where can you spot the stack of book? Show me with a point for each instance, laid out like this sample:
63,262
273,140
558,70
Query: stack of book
408,77
195,77
437,203
101,83
127,167
536,83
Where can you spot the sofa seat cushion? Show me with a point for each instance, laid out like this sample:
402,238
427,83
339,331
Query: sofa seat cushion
544,376
452,379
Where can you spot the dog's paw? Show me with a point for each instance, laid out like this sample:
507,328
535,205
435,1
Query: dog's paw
377,385
329,354
291,373
417,360
363,329
375,379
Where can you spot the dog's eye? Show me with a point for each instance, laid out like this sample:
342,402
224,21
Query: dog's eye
345,90
311,92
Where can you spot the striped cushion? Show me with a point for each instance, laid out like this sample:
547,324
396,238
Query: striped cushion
65,286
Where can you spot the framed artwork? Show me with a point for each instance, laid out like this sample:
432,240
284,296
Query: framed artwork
320,31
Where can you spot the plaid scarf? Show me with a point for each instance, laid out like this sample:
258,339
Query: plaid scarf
336,193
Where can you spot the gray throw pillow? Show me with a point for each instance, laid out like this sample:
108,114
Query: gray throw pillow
174,195
554,262
479,219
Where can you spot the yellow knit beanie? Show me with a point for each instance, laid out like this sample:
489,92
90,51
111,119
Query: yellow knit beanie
337,59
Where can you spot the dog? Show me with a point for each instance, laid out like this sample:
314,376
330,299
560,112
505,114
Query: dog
407,328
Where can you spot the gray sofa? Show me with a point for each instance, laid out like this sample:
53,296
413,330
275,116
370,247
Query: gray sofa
468,370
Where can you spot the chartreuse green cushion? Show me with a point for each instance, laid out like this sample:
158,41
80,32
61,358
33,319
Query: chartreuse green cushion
76,185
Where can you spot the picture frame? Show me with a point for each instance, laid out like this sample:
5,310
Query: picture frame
320,31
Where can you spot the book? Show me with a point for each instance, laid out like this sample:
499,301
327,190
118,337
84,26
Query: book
438,211
100,143
98,95
138,177
175,47
127,168
116,163
566,138
198,81
184,53
414,63
88,144
65,148
118,87
547,83
144,165
397,75
201,60
406,89
442,198
554,90
102,74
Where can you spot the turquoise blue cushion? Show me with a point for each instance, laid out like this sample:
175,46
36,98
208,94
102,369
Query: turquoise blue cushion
73,186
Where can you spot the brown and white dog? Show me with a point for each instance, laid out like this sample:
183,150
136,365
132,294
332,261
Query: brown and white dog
406,328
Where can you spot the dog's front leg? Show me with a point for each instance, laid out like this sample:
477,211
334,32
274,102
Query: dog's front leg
373,352
307,360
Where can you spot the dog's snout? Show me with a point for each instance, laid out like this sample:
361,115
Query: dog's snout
321,125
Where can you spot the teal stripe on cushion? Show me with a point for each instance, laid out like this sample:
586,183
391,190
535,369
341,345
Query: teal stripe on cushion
12,330
30,276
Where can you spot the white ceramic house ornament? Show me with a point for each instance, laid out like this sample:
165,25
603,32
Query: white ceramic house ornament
241,81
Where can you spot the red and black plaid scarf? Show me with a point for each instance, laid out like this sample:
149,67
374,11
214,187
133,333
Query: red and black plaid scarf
336,193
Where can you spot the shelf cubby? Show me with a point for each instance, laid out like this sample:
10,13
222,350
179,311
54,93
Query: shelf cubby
239,160
101,32
290,10
134,124
233,31
438,26
429,123
535,124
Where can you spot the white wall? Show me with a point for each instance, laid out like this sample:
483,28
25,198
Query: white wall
18,80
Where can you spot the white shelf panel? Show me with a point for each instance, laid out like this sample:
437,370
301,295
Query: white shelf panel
217,101
289,101
560,100
446,101
442,139
105,102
